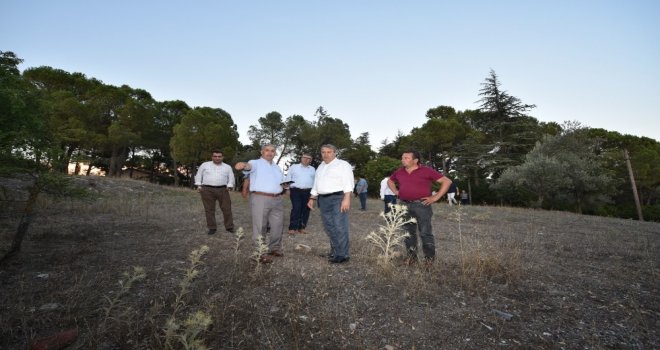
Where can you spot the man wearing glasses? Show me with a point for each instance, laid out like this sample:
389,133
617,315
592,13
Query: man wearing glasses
302,177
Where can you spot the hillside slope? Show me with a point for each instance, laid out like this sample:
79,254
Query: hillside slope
504,277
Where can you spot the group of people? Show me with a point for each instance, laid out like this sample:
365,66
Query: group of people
329,187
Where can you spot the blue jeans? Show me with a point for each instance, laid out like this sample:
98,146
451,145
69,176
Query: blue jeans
363,200
299,211
335,224
423,214
389,199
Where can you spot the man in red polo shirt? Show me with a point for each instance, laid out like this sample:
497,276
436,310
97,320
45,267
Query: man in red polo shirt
415,183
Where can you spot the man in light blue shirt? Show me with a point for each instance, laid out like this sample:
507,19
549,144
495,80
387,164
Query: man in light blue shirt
302,175
266,204
361,188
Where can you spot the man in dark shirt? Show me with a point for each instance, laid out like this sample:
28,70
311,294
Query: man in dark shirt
415,185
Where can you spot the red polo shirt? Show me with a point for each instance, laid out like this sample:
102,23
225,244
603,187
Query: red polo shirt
417,184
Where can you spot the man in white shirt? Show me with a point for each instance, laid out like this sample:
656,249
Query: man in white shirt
213,179
333,186
386,194
302,175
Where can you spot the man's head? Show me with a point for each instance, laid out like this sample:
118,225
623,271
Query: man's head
306,159
268,152
410,159
328,153
217,156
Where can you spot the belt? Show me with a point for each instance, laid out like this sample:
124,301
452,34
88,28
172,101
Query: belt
331,194
266,194
414,201
223,186
301,189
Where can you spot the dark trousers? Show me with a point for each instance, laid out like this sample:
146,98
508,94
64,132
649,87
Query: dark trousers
423,214
209,196
335,224
389,199
299,211
363,200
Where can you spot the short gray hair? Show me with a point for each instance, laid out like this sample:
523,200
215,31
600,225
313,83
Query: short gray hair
332,147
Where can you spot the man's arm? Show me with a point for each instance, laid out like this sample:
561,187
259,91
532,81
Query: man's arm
392,187
245,191
198,177
444,182
232,179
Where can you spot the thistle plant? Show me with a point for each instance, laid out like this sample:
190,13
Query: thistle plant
125,285
238,237
391,235
189,275
260,249
188,335
193,326
172,327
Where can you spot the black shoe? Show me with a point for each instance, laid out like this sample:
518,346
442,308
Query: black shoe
328,256
212,231
339,260
231,230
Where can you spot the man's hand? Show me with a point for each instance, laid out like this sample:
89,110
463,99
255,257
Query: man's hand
429,200
240,166
346,203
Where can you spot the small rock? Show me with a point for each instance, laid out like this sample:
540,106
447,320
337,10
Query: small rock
50,307
303,248
501,314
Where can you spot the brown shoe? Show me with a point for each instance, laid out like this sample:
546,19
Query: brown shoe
276,253
302,231
265,259
428,264
409,261
292,232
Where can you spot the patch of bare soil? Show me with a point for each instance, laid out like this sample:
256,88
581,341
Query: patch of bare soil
504,278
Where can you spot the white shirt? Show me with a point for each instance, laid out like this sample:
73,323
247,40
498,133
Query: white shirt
302,176
333,177
384,189
212,174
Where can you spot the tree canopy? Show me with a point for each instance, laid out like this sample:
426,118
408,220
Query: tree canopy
499,152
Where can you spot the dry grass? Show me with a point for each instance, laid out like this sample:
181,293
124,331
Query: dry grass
504,277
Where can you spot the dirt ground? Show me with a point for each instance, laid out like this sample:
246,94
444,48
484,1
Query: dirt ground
504,278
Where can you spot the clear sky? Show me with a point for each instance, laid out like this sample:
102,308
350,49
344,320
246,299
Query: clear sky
377,65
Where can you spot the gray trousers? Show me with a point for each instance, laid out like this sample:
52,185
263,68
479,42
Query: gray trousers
267,211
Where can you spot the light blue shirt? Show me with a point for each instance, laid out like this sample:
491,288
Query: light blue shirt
361,185
302,176
264,176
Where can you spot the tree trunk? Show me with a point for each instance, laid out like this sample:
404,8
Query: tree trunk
176,172
117,161
152,174
24,224
640,215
